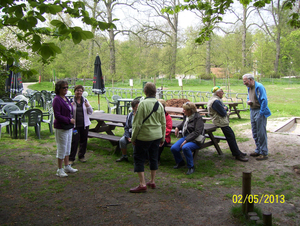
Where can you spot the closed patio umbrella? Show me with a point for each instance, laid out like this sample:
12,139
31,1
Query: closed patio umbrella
14,82
98,84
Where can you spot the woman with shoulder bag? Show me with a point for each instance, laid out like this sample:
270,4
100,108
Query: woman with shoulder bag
63,124
191,127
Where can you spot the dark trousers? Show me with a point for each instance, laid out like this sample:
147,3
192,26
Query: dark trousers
81,138
230,137
142,150
160,150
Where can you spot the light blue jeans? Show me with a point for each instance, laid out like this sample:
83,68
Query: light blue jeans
187,150
259,131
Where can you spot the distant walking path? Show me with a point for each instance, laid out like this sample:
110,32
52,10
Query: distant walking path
25,86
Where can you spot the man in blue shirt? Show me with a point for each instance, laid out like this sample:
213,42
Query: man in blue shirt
259,112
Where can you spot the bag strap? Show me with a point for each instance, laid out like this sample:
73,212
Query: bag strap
155,107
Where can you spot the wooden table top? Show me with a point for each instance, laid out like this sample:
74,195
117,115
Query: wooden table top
108,117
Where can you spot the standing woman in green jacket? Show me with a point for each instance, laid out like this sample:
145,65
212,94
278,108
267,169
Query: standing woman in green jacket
149,128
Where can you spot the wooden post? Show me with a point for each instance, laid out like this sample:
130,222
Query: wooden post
267,219
246,189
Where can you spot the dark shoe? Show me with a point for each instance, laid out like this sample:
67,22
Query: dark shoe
254,154
241,158
190,171
151,185
138,189
179,165
262,157
122,159
82,160
243,154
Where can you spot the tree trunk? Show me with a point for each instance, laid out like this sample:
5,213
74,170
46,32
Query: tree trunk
244,36
112,51
174,45
207,65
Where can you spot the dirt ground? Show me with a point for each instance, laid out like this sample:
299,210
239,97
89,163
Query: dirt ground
108,203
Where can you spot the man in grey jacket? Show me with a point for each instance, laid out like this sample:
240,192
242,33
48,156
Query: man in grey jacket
218,112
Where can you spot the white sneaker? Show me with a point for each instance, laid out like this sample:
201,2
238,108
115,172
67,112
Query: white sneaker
69,169
61,173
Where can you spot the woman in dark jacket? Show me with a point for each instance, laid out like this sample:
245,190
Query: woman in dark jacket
63,124
191,127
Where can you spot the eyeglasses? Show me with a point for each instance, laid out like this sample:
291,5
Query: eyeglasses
66,87
79,90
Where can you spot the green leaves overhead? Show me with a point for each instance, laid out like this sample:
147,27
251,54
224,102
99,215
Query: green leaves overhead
28,14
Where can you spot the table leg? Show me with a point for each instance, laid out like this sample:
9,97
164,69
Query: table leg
211,136
16,127
236,111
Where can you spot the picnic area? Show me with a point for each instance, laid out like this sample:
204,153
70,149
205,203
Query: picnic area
98,194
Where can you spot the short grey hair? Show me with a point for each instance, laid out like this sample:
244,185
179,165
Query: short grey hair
248,76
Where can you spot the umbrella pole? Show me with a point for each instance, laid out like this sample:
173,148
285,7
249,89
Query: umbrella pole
98,102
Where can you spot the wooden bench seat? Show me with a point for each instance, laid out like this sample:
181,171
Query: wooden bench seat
114,140
114,124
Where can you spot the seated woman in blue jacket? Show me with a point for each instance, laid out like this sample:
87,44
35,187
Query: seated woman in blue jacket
126,139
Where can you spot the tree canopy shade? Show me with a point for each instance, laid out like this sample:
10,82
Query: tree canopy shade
215,9
22,19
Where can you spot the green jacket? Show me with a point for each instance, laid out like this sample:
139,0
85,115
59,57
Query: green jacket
217,119
154,127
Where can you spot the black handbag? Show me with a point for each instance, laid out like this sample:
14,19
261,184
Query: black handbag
66,126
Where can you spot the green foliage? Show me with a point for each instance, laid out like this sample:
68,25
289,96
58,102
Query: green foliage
3,76
26,17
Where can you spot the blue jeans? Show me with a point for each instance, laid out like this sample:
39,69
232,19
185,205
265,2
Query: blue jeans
187,150
259,131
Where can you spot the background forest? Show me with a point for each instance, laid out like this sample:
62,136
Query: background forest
147,43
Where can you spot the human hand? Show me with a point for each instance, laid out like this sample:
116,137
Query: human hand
129,139
176,131
183,143
161,143
249,102
87,104
72,121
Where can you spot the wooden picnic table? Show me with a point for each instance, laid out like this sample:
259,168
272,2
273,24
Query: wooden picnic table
232,107
108,122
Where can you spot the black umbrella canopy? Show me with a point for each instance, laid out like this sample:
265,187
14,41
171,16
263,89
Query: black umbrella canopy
14,82
98,84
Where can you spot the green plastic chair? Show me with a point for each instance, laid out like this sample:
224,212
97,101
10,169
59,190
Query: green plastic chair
49,119
109,107
11,118
32,117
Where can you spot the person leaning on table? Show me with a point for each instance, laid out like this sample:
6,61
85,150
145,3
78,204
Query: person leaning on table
63,110
81,110
126,138
147,136
218,113
191,127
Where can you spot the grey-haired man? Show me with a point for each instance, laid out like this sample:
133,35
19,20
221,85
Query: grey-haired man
259,112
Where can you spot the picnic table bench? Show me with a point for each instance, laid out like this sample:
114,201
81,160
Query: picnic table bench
108,122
